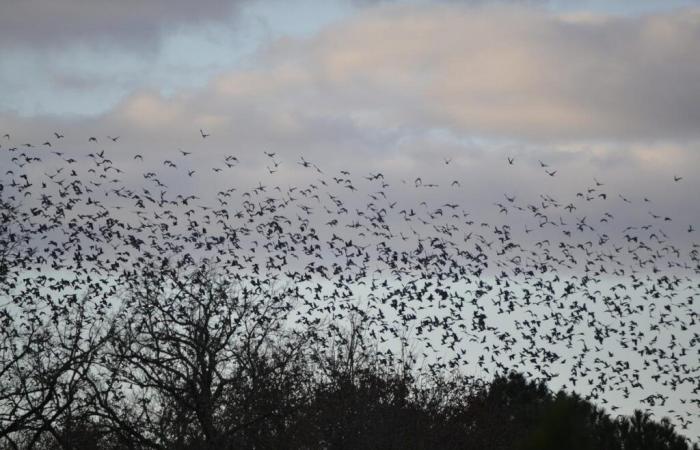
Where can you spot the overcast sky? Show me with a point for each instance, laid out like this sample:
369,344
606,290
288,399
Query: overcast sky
596,88
604,89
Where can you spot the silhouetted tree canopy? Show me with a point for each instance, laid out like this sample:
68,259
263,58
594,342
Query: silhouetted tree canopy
384,408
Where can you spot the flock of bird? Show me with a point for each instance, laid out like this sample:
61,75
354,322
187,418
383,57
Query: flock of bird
537,285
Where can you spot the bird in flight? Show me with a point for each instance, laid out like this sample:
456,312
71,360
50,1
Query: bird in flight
58,135
204,135
511,160
676,178
552,173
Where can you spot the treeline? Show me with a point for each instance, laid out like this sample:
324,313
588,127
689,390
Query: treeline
374,408
204,361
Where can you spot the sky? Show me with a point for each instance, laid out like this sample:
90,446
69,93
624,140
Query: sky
596,89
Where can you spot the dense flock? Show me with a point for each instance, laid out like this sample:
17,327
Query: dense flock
561,288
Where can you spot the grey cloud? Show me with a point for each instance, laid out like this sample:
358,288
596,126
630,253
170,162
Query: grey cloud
495,72
520,73
124,22
614,89
488,71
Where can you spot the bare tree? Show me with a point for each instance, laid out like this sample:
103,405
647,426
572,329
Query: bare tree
191,351
48,340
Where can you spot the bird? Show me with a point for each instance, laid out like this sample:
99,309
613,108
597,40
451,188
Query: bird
204,135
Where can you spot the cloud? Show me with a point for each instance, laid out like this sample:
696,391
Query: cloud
494,72
53,23
488,72
507,72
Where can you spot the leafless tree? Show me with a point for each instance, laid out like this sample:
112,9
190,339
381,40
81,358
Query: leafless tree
48,342
191,350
